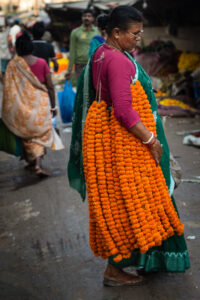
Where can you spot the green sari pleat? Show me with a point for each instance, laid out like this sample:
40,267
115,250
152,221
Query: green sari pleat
75,164
171,256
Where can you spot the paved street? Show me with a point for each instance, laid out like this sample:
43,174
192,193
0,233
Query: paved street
44,252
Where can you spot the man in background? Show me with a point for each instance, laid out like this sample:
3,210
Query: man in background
79,43
42,48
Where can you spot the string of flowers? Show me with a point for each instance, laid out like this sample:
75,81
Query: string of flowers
120,209
129,203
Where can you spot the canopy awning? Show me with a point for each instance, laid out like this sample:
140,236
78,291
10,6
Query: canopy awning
81,5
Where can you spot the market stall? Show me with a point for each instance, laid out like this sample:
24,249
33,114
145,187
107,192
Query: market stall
175,75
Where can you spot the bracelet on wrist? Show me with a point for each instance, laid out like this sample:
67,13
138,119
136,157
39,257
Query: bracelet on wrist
152,143
149,140
54,108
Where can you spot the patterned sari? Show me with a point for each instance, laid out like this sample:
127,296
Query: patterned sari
26,110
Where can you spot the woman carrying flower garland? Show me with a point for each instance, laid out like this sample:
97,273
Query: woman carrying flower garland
133,216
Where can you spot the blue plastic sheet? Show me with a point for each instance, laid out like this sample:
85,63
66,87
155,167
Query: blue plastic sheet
66,102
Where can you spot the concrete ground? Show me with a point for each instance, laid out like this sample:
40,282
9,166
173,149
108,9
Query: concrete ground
44,251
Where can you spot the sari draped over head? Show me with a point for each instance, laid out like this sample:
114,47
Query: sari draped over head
26,109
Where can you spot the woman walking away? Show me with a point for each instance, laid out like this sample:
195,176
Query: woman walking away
25,109
132,214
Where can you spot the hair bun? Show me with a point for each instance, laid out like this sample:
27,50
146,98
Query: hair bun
24,45
102,21
24,36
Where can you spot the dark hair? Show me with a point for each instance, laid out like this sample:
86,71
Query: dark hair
24,45
102,20
88,11
16,22
38,30
121,17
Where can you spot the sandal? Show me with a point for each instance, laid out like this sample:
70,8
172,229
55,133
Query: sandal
112,282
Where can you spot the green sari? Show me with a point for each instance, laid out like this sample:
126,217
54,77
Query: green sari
172,255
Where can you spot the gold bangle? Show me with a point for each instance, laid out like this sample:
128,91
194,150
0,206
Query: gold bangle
149,140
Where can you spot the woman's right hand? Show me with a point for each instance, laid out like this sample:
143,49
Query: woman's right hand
156,151
54,113
68,75
141,132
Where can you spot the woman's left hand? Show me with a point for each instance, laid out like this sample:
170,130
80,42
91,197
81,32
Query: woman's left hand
156,151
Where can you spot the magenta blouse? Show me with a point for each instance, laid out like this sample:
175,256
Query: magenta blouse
40,68
115,71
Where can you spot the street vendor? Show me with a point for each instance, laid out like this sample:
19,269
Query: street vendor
133,219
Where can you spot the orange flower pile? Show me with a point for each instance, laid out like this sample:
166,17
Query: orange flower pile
62,64
129,203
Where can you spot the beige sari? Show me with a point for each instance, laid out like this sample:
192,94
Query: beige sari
26,110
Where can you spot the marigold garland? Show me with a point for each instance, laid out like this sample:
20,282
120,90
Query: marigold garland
129,203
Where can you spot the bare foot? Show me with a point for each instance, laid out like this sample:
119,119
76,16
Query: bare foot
40,172
117,277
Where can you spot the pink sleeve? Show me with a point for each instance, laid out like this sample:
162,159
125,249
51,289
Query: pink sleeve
40,69
46,68
119,79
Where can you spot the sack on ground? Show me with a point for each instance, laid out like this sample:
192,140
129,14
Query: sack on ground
175,170
9,142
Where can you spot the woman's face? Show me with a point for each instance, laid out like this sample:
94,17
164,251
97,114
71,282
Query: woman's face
127,40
